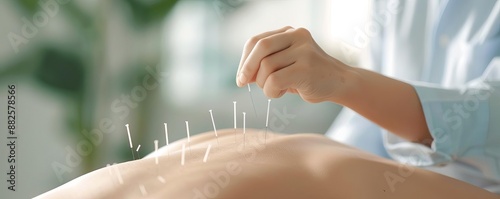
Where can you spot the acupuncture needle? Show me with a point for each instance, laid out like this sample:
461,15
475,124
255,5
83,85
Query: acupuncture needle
120,179
234,119
251,98
267,119
137,150
205,158
166,138
130,141
183,154
156,151
188,137
213,123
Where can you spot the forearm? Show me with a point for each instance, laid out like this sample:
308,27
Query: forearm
392,104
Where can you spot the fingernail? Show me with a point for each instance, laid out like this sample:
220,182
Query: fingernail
242,79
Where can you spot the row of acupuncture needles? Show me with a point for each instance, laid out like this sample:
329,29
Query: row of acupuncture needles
135,153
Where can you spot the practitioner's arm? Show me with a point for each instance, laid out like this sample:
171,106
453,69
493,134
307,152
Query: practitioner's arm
289,60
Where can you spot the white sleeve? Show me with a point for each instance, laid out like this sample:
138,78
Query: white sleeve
464,123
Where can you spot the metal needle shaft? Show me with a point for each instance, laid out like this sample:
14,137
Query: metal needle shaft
251,98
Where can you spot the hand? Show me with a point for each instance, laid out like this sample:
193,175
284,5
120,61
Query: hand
289,60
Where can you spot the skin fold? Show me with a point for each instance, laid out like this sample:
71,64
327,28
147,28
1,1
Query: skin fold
284,166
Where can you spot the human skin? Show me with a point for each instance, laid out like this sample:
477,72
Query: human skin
289,60
283,166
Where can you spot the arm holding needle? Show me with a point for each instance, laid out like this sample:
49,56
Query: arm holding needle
289,60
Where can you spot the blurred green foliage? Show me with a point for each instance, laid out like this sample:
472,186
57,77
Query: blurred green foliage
146,12
61,70
67,70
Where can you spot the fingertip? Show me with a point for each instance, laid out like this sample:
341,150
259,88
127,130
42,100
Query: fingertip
237,82
281,93
238,74
242,79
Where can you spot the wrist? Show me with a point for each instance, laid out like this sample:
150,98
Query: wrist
351,85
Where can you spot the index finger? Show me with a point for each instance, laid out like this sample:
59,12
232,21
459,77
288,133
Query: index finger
250,44
263,48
